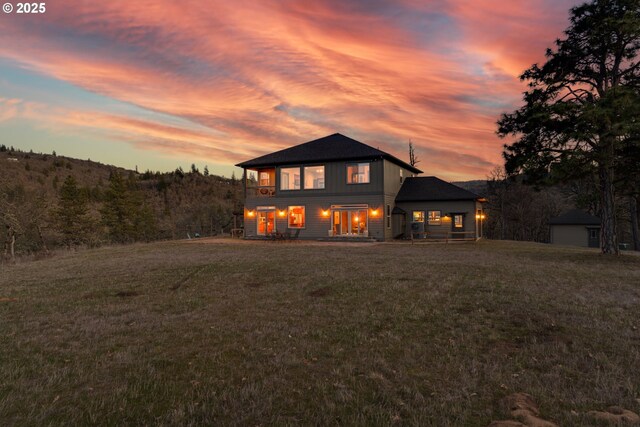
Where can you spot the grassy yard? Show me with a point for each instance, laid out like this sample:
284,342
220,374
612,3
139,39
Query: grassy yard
266,333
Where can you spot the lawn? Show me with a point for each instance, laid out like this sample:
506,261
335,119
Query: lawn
260,333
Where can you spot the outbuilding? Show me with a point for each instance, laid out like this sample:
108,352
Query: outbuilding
575,228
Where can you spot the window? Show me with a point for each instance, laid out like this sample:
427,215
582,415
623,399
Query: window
388,216
358,173
593,233
434,217
264,179
458,221
401,176
313,177
418,216
290,179
296,217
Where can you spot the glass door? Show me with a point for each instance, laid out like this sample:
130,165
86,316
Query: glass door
266,222
350,222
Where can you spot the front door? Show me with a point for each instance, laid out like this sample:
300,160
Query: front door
350,222
266,222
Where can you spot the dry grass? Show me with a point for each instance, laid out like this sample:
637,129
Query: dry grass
263,333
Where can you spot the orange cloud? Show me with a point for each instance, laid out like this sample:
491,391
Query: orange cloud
257,77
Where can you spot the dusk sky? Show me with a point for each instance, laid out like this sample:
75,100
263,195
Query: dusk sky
161,84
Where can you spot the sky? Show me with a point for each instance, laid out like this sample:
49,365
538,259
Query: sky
159,84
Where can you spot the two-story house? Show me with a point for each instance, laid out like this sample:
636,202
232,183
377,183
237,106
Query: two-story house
337,187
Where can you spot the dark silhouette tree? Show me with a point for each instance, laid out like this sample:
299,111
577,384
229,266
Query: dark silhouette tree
580,113
413,159
71,214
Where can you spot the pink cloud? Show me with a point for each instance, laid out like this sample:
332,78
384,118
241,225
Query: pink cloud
265,75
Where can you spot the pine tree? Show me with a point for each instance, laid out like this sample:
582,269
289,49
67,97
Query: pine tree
206,170
117,210
72,213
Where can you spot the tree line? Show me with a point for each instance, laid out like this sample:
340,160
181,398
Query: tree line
128,207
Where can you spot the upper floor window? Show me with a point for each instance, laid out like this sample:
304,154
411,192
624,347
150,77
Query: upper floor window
290,178
313,177
264,179
358,173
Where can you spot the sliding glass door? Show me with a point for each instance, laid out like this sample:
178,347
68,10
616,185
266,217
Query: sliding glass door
350,221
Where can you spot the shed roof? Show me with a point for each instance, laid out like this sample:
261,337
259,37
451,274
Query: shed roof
334,147
430,188
575,217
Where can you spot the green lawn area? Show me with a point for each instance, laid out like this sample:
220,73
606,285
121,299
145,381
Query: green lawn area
260,333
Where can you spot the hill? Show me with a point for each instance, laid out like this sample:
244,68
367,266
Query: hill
178,203
230,332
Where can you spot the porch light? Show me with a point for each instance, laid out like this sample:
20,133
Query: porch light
374,212
480,216
325,212
282,213
250,213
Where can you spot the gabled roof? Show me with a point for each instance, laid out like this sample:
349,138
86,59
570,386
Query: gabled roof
334,147
575,217
430,188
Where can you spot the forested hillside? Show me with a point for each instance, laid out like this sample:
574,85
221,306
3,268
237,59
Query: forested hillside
49,201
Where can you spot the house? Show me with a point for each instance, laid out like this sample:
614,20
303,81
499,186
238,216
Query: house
339,188
575,228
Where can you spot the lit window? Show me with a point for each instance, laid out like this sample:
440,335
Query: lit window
457,221
401,176
358,173
296,216
418,216
290,179
264,179
434,217
313,177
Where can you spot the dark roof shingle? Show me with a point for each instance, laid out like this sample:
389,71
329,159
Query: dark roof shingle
575,217
430,188
330,148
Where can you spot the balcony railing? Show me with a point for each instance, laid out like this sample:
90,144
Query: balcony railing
269,191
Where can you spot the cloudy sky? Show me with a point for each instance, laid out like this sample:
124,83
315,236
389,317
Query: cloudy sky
163,83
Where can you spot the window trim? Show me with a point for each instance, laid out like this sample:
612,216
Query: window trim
358,165
299,174
434,222
304,217
304,177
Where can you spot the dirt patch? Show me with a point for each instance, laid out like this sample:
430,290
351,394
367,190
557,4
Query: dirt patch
127,294
8,299
320,292
254,285
617,416
523,408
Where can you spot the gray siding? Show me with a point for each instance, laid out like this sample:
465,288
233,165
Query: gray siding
571,235
468,207
317,226
392,185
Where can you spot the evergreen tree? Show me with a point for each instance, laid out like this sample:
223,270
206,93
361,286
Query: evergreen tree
206,170
118,210
581,109
71,214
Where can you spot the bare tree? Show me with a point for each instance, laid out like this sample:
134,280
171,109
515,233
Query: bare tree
413,159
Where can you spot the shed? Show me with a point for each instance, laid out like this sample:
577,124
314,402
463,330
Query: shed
575,228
